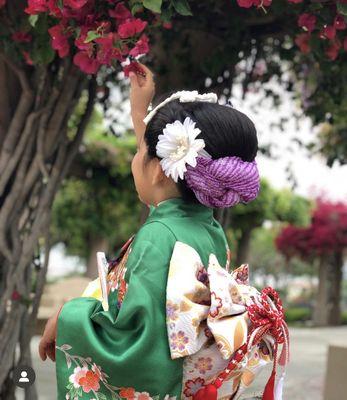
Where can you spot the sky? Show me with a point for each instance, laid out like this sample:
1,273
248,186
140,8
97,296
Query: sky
311,173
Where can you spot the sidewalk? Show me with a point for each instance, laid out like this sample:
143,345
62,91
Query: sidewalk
305,373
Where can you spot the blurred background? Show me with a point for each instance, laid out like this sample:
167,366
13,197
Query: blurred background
66,143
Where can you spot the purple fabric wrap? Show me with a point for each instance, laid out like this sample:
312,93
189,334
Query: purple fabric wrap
223,182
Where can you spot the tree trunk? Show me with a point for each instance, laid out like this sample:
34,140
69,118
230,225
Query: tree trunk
243,247
98,244
327,308
36,151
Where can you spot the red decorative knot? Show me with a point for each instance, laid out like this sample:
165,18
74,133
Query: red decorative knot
267,318
268,314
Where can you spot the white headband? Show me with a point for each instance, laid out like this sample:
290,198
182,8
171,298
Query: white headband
184,96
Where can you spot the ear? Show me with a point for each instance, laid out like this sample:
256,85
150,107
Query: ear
158,175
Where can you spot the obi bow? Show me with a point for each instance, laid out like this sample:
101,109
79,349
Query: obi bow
211,304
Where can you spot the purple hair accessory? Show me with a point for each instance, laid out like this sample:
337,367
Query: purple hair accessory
223,182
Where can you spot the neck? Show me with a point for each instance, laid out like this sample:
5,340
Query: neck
164,199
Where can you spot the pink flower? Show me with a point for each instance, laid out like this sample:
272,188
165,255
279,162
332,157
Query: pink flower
131,27
295,1
192,386
167,25
303,42
142,396
328,32
15,295
133,66
53,8
141,46
36,7
86,63
245,3
77,375
75,4
178,341
121,12
262,3
80,42
59,40
307,21
27,58
171,311
339,22
89,382
21,37
127,393
107,51
203,364
333,50
2,3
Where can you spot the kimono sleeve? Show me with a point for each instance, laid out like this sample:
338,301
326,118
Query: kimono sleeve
104,352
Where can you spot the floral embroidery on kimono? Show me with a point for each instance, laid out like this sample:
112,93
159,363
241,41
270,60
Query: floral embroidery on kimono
207,322
87,377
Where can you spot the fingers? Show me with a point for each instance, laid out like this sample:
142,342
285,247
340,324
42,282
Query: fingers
146,69
51,351
42,350
47,349
133,79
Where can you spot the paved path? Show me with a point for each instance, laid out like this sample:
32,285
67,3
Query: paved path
305,373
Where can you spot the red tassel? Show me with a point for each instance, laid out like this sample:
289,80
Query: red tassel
208,392
269,388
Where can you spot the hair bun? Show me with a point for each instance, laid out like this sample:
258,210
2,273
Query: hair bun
223,182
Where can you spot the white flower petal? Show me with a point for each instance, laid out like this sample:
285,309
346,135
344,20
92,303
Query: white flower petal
178,146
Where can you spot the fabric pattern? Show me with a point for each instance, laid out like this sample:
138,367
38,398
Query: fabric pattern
124,353
207,321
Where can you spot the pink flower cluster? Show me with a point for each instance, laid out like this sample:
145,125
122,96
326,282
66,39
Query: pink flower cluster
254,3
329,32
332,32
96,34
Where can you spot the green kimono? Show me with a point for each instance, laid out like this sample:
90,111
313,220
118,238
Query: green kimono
127,351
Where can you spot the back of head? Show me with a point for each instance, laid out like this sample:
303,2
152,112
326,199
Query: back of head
226,131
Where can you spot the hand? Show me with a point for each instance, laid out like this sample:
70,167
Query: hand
142,90
47,342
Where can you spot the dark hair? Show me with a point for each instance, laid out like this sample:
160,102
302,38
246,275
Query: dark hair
225,130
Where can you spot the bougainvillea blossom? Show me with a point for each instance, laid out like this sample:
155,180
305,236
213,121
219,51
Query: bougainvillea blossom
131,27
60,41
303,42
21,37
36,7
307,21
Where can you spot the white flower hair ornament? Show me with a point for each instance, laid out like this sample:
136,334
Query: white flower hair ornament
178,146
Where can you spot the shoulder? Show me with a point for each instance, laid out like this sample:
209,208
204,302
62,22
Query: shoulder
156,232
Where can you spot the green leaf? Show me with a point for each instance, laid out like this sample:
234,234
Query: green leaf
153,5
136,8
91,36
166,14
182,7
342,8
33,19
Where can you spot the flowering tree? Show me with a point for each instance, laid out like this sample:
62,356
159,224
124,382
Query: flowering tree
325,241
55,54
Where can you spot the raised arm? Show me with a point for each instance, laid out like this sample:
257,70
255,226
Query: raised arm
142,90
